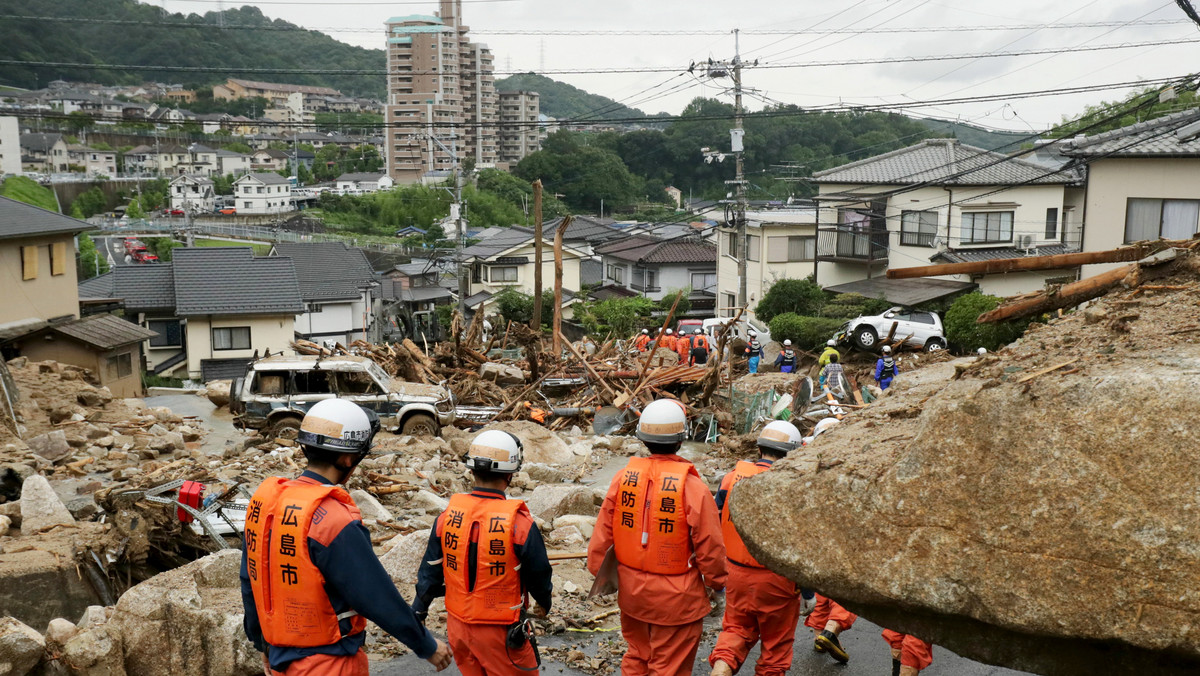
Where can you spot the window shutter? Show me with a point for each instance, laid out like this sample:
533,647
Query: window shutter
58,258
29,261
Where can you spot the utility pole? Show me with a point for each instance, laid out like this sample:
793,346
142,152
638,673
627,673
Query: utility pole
536,322
456,212
736,146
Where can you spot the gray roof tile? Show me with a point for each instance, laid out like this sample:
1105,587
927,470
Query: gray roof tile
18,219
501,241
997,253
1171,135
942,162
231,280
98,288
328,270
106,332
145,287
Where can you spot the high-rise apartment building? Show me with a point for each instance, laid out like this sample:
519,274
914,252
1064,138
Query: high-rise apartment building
440,85
519,130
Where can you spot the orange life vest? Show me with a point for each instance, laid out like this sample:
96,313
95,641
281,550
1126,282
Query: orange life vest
641,342
668,342
700,341
497,596
289,591
650,529
683,346
735,549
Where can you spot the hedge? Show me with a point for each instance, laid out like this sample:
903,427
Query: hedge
806,333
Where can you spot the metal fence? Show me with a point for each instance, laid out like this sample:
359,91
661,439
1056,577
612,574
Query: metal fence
751,409
249,232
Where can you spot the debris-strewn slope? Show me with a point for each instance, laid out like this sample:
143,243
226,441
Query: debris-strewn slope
1043,520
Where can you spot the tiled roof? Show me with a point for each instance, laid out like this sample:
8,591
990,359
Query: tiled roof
98,288
416,269
503,240
232,280
279,87
265,178
585,228
105,331
942,162
608,291
370,178
1171,135
997,253
145,287
328,270
39,142
18,219
682,251
629,248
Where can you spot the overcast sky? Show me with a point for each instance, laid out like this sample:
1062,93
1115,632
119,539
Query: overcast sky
361,23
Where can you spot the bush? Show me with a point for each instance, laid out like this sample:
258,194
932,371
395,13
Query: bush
851,305
622,316
796,296
806,333
963,332
517,306
685,305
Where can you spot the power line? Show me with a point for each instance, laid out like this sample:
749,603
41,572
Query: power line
594,71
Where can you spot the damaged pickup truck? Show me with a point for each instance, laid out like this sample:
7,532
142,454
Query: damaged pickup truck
277,391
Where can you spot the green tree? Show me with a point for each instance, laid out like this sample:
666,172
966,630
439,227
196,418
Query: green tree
303,174
239,147
90,203
135,209
79,121
798,296
517,306
806,333
966,334
685,305
622,316
91,262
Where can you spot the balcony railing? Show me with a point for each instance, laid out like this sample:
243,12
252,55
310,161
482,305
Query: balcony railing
849,243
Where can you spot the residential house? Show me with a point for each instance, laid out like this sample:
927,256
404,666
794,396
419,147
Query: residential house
313,138
214,309
93,162
232,163
268,159
240,125
584,234
45,153
410,293
1143,182
193,194
354,184
268,193
276,93
211,123
337,285
675,195
10,146
157,159
261,141
942,201
40,308
781,244
504,258
201,161
657,268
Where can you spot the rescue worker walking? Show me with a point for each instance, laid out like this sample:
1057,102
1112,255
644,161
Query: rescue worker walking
886,369
700,348
486,556
310,579
830,351
683,347
754,351
663,527
669,341
786,361
760,604
642,341
832,373
910,655
828,620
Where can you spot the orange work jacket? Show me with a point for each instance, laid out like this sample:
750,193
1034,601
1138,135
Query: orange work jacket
650,531
497,596
735,549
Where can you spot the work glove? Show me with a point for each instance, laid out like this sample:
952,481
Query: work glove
717,599
807,605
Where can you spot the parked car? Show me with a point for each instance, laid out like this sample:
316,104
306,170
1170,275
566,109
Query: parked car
741,330
277,391
688,326
230,211
922,330
136,252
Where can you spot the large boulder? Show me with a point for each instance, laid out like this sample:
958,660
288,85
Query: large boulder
370,507
94,651
52,446
217,392
21,647
404,558
550,501
502,374
40,506
540,444
1050,525
187,620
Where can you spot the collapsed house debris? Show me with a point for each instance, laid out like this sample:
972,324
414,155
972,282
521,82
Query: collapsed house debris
1031,508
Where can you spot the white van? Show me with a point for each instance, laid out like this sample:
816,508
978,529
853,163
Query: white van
712,327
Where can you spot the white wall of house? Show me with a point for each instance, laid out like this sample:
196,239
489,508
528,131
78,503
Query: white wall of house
524,272
272,333
156,355
231,164
770,258
10,146
340,320
192,196
252,197
1113,182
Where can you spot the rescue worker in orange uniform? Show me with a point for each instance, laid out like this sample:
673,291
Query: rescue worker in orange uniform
486,556
760,605
642,341
910,655
700,348
828,620
683,347
310,579
661,523
669,341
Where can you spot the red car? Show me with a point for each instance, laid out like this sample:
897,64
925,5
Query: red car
172,212
136,252
228,212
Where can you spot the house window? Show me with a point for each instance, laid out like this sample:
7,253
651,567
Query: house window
616,273
704,281
58,258
987,227
730,304
231,338
246,205
507,273
119,366
731,245
1154,218
29,262
918,228
1052,223
170,333
791,249
753,248
260,190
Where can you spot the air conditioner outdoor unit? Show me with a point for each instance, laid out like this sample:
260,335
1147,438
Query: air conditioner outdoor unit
1025,242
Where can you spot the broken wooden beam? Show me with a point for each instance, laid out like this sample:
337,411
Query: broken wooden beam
1055,262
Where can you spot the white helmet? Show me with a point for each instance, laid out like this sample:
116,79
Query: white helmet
831,342
787,343
779,436
339,426
670,331
495,451
752,333
697,332
982,350
645,331
887,349
663,421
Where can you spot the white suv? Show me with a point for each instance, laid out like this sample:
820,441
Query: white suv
922,330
